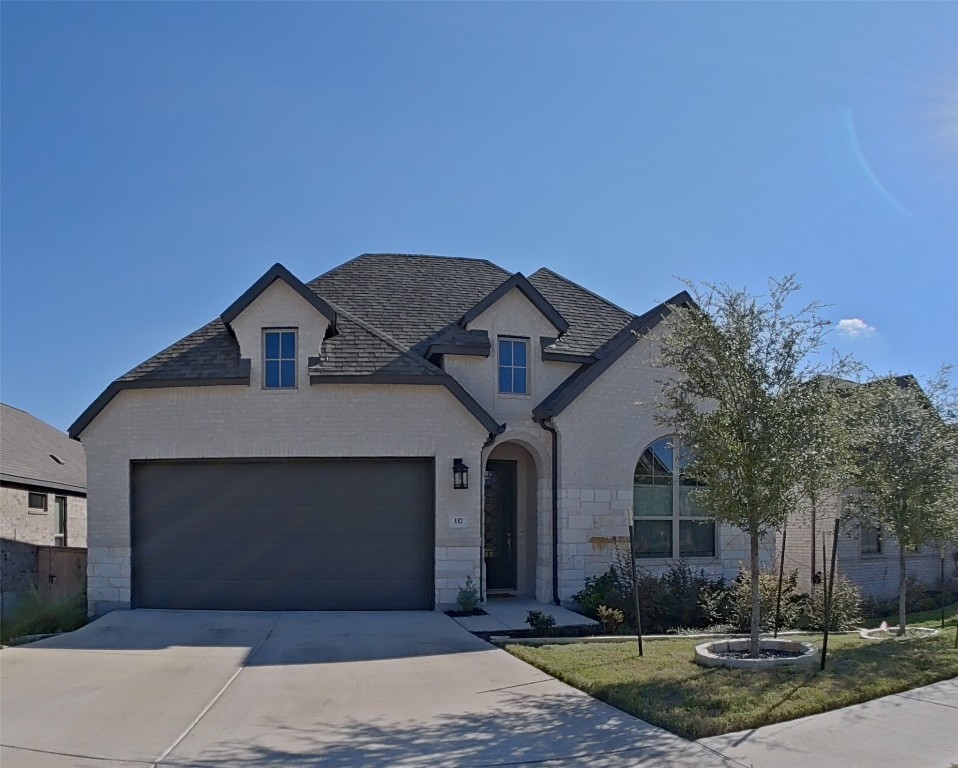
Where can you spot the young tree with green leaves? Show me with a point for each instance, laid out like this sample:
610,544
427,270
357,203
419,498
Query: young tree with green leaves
740,398
905,440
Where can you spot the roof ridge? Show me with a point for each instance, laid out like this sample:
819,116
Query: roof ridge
387,338
593,294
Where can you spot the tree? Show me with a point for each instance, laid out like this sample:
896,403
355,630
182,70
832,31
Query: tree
905,440
740,398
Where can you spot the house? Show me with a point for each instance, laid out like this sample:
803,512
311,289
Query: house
867,555
42,509
370,439
42,482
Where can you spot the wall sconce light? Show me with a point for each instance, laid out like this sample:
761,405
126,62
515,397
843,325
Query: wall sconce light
460,474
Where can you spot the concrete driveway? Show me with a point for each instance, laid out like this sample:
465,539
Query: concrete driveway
303,689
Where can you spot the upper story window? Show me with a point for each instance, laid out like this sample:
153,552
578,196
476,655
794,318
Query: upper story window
37,501
513,366
279,358
668,523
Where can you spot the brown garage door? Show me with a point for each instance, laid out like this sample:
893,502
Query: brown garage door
283,535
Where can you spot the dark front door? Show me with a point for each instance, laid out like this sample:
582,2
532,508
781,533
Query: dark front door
500,524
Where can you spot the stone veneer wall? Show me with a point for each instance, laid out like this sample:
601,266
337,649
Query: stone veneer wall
602,435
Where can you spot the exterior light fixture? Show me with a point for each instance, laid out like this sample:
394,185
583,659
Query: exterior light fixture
460,474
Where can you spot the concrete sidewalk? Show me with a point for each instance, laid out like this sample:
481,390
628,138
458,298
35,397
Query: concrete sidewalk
505,614
918,727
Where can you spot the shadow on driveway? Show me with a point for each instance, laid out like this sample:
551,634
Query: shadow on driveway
299,637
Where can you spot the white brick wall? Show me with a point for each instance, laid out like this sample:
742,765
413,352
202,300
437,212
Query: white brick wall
875,574
328,420
602,435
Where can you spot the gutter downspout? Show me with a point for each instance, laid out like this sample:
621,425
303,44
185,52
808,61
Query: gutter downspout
550,427
482,531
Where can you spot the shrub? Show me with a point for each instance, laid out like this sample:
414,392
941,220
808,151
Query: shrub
919,597
611,619
468,597
540,622
732,607
846,607
667,601
37,616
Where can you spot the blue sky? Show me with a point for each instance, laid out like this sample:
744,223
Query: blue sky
158,157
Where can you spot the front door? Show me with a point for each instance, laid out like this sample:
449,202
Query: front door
500,524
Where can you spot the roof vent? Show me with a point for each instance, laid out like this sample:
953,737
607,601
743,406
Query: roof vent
56,458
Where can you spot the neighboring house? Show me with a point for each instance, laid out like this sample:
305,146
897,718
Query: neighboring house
374,437
42,482
867,556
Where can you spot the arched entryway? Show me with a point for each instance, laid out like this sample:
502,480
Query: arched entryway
510,520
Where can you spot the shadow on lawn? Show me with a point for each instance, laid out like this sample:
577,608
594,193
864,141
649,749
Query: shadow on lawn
708,702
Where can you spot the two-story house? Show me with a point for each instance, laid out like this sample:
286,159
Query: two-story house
370,439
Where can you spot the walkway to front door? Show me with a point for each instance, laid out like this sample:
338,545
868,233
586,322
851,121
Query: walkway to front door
510,613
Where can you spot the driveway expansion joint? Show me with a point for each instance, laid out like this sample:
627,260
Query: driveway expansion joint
217,697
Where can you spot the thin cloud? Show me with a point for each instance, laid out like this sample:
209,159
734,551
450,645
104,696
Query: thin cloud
855,327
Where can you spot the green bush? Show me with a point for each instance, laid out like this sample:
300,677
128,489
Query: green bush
540,622
37,616
669,601
468,597
732,607
846,607
919,597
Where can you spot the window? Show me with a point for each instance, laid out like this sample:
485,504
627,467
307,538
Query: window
279,359
668,523
37,502
60,505
871,539
513,367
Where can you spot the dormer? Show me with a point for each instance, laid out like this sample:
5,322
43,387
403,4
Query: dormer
279,323
497,352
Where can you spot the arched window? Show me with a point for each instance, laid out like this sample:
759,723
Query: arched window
667,521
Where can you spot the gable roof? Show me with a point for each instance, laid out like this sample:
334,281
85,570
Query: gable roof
563,395
27,450
277,272
527,289
592,319
391,312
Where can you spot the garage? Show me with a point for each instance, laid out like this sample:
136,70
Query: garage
304,534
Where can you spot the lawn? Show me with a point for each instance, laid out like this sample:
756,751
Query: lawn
666,688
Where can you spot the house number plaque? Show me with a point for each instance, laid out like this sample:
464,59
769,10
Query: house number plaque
457,521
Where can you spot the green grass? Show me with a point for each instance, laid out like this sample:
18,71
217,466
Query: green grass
36,616
666,688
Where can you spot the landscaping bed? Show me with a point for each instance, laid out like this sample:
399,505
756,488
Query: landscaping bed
666,688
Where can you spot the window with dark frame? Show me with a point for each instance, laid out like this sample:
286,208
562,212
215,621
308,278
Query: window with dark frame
871,539
60,505
37,501
513,366
279,358
668,523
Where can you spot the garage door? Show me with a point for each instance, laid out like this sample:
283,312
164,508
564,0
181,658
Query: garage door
283,535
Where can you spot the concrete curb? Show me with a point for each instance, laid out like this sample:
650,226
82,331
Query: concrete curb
536,641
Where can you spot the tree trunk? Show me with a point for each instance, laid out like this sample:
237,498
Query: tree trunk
902,597
756,597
